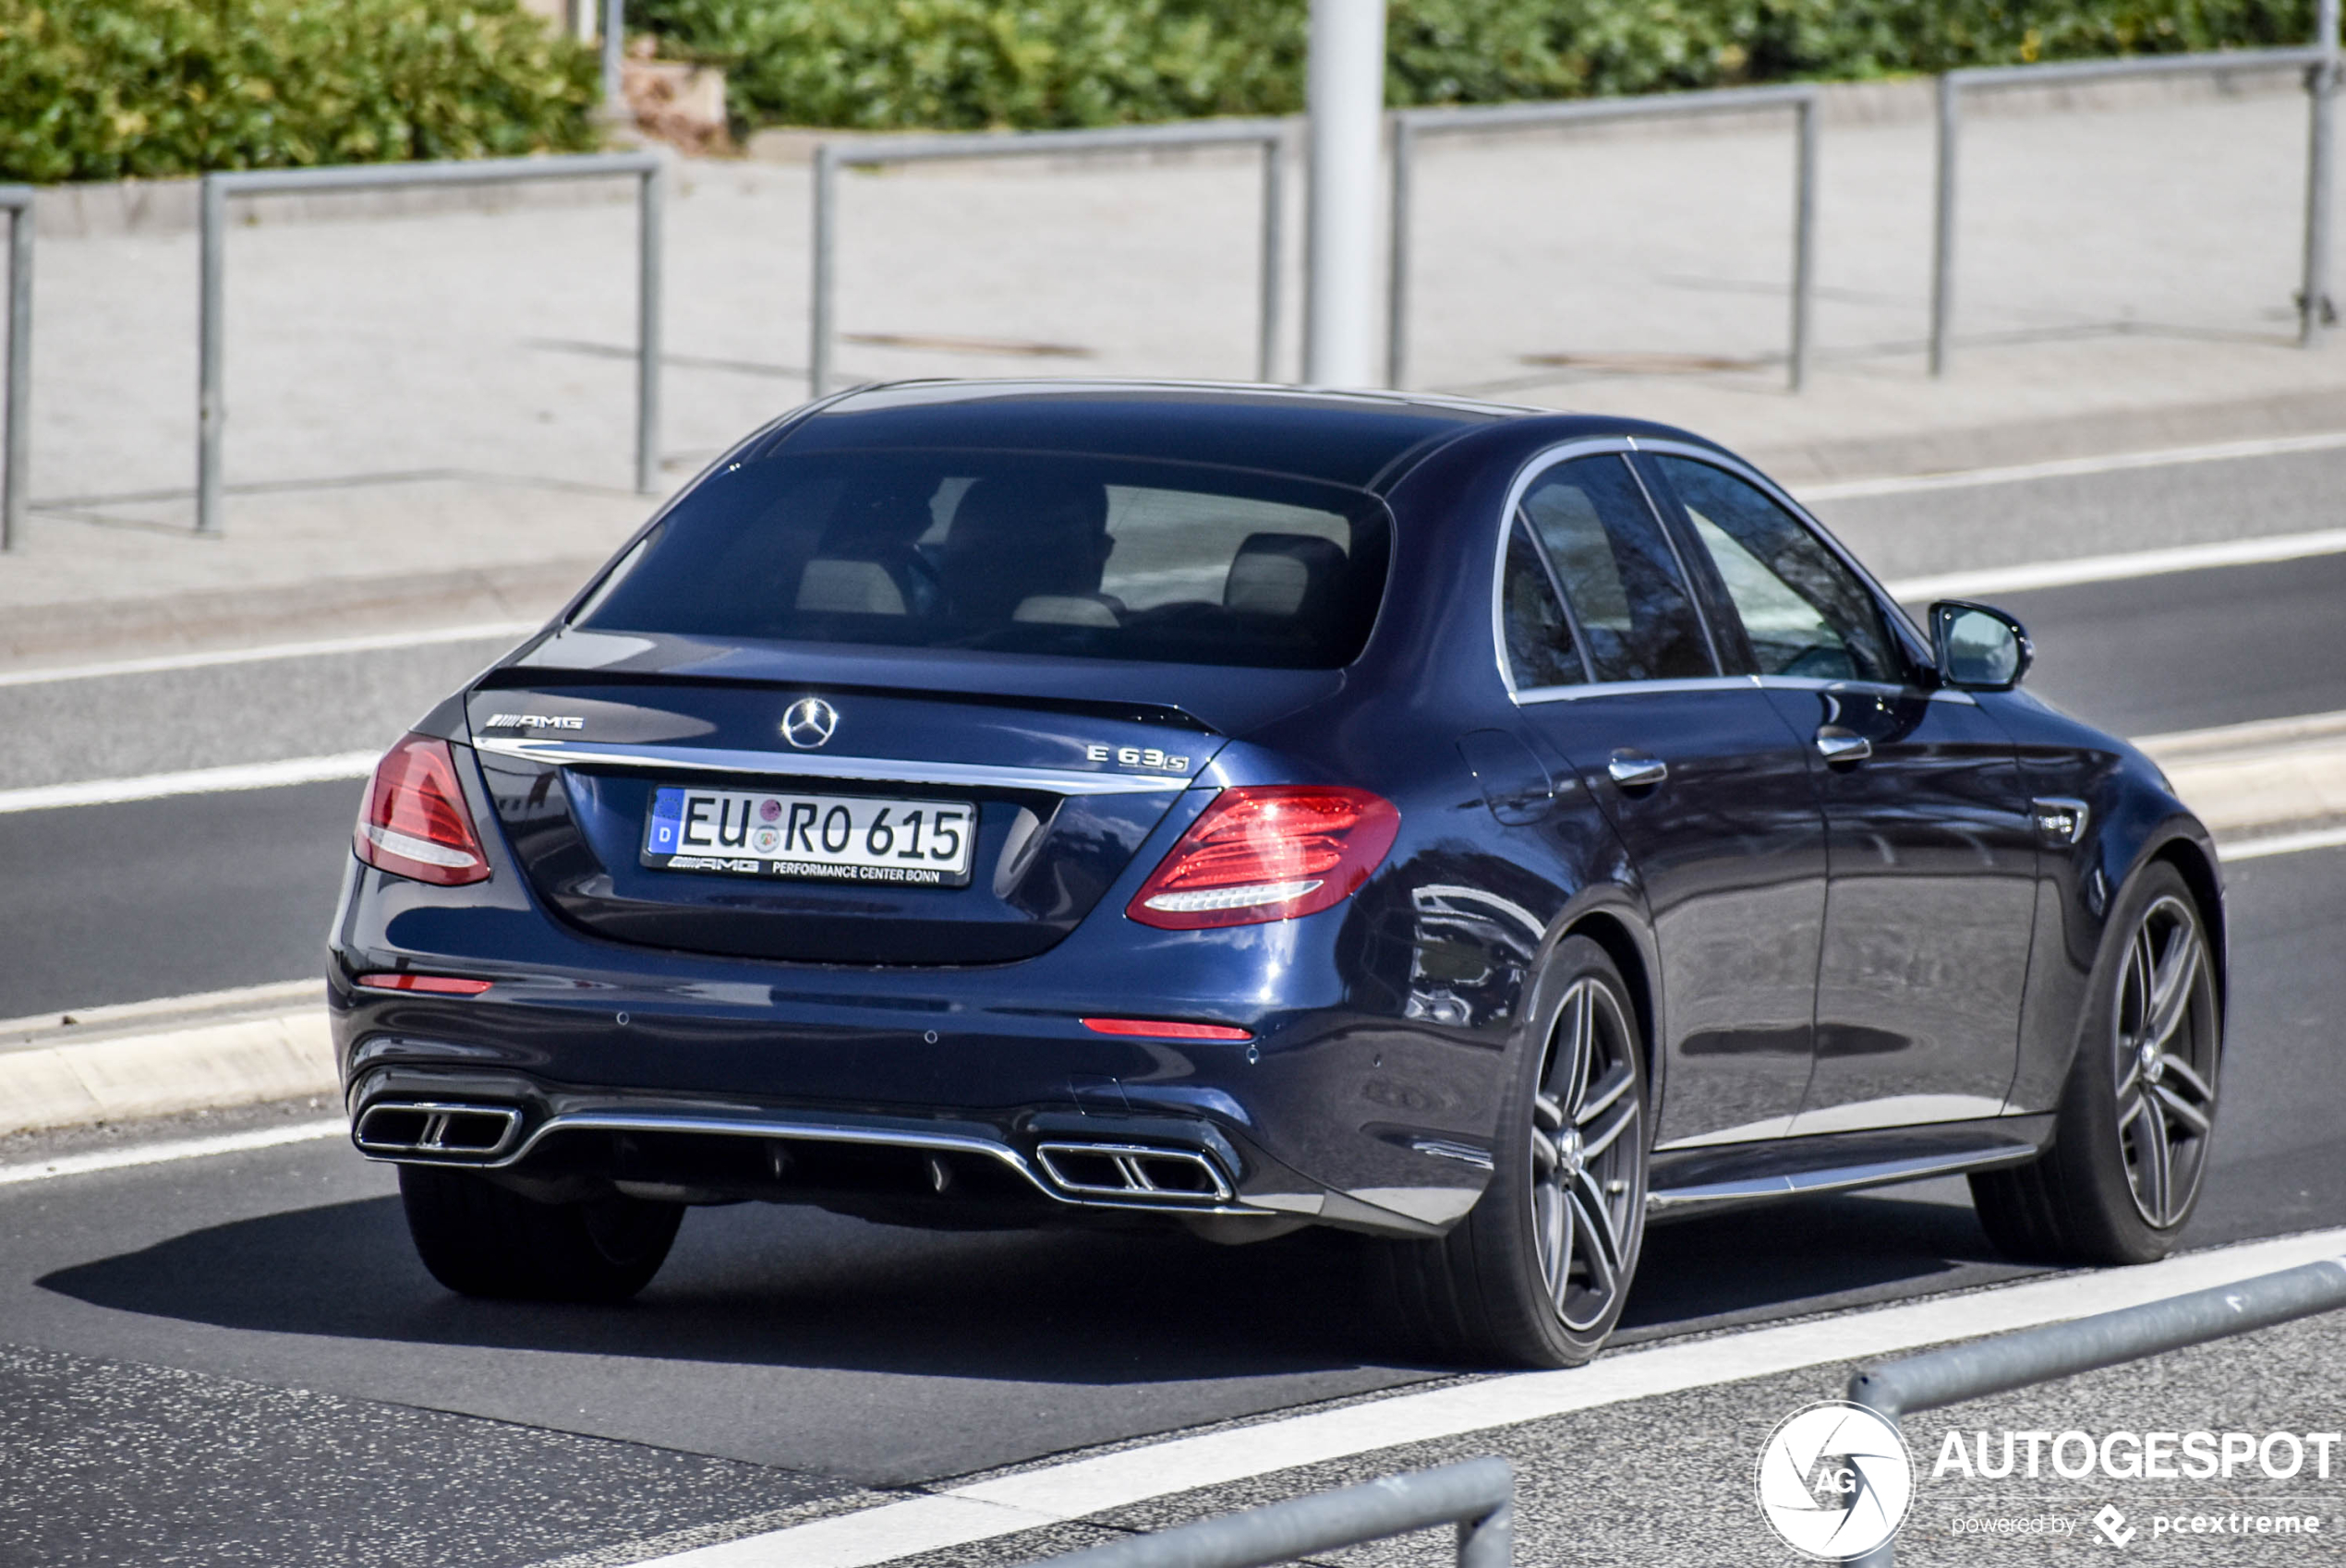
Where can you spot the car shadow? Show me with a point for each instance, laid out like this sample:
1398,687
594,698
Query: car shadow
758,1286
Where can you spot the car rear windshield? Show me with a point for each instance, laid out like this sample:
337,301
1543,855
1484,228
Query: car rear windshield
1074,554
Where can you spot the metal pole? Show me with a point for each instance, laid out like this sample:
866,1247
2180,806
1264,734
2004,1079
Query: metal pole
651,201
1943,231
18,483
1397,277
818,327
1346,92
614,78
2321,86
211,413
1804,243
1266,355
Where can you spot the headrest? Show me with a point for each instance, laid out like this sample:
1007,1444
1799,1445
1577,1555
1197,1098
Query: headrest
1283,573
849,587
1064,610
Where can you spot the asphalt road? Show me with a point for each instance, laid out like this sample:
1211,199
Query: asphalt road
237,1360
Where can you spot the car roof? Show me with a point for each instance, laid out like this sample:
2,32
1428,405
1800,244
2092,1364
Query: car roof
1356,438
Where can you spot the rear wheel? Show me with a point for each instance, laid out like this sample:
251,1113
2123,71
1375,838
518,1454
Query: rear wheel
478,1239
2131,1136
1538,1272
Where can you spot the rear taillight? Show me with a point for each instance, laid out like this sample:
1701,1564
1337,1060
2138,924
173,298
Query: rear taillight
415,823
1264,852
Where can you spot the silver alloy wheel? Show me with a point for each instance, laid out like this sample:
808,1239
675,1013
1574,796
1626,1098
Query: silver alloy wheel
1587,1175
2164,1061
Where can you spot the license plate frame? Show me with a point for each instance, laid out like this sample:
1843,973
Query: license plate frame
789,834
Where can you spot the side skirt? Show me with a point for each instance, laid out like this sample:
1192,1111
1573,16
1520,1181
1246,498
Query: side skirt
1706,1180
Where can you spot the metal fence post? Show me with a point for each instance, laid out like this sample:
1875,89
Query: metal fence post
615,71
1397,282
2321,86
1267,356
16,488
210,330
1942,226
1804,243
819,326
650,223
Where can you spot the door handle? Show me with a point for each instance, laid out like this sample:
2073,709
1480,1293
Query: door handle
1836,745
1635,770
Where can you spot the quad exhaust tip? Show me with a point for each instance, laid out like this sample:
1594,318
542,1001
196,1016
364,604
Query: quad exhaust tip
1131,1170
422,1129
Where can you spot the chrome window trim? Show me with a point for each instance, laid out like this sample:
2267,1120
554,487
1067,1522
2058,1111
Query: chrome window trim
808,764
1902,624
1624,688
1890,688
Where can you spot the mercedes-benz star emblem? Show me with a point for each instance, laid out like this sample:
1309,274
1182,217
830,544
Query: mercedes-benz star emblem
809,723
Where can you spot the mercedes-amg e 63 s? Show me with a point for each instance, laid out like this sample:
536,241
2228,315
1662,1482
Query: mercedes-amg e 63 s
1481,829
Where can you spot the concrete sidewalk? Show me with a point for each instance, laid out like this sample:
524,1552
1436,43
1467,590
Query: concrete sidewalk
429,416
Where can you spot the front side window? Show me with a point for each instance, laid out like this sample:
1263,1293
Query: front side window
1072,554
1805,612
1637,619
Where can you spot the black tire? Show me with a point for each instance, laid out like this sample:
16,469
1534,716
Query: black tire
1485,1294
478,1239
2131,1135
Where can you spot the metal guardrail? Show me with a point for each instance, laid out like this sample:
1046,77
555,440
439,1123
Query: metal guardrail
1410,125
2321,81
1478,1496
648,168
1271,136
2002,1362
16,447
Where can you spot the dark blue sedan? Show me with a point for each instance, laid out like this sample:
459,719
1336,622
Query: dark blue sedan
1481,829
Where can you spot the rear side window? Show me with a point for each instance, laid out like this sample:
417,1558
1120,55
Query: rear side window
1805,613
1085,556
1539,649
1636,619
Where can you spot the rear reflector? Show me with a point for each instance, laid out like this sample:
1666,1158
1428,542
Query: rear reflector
1159,1029
438,984
415,823
1264,852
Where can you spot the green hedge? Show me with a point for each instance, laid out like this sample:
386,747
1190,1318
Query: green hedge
1038,63
104,89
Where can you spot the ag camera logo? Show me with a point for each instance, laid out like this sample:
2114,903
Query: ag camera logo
1835,1481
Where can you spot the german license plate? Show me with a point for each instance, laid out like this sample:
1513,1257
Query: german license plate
828,837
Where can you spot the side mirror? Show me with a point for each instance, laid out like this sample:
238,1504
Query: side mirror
1978,648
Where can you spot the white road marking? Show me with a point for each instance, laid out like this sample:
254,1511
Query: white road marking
164,1154
1079,1488
512,631
2074,468
197,782
2117,568
2281,844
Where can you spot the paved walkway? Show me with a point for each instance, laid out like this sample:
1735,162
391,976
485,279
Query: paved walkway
429,418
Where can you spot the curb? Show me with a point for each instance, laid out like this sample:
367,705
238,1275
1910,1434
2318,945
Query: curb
141,1076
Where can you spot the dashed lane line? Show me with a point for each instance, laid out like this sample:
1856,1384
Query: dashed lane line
1055,1494
164,1154
2074,468
197,782
2087,569
324,649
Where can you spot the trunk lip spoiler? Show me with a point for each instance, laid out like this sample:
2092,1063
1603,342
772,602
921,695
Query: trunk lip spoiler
810,765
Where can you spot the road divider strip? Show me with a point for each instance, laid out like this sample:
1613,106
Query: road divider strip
2282,844
2074,468
197,782
281,1055
2029,576
1081,1489
160,664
